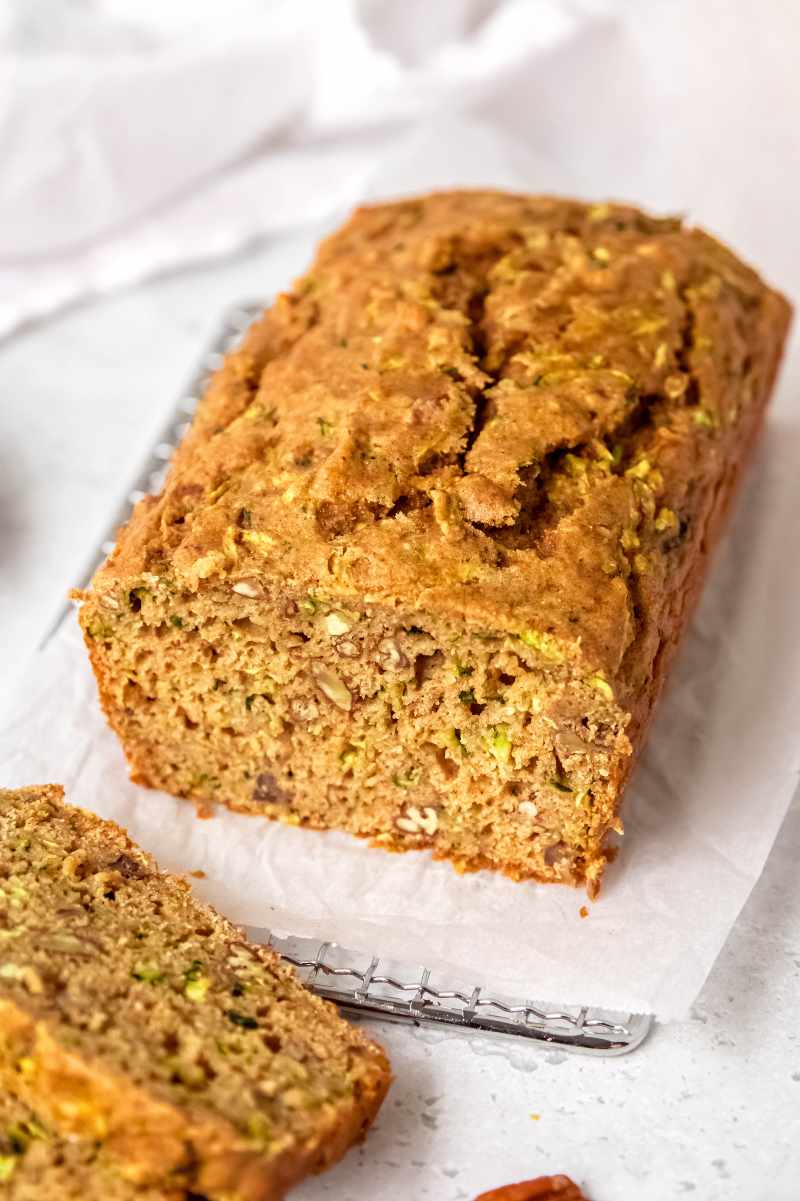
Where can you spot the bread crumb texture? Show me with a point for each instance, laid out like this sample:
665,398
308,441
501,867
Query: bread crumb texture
423,558
138,1025
38,1164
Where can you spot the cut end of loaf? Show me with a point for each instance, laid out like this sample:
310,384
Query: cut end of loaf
489,748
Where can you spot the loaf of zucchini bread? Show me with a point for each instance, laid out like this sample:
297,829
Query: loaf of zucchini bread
141,1024
422,561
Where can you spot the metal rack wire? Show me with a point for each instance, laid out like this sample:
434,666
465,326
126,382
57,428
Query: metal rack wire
367,985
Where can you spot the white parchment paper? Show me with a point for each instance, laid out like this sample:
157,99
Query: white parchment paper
705,806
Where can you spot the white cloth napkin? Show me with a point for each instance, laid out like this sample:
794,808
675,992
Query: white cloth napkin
118,166
139,137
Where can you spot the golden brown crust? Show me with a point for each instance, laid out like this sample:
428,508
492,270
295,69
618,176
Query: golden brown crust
468,338
75,1080
687,594
506,414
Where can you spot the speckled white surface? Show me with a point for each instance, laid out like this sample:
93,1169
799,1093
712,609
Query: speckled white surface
709,1108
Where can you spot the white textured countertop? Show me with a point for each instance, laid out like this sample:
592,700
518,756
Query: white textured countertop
709,1108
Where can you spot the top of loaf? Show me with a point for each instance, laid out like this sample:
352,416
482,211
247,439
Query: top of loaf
486,405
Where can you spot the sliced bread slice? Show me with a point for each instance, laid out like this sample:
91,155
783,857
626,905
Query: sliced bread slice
36,1164
133,1016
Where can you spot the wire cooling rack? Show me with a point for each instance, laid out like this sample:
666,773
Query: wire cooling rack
367,985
